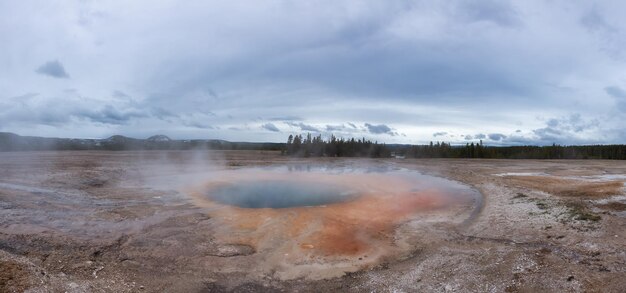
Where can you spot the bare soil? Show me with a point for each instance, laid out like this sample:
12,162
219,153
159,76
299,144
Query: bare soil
126,222
569,187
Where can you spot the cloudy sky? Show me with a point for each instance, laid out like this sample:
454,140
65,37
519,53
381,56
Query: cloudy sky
518,72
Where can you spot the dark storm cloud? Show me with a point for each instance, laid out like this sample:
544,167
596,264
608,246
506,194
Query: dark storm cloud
480,136
380,129
270,127
54,69
496,136
439,134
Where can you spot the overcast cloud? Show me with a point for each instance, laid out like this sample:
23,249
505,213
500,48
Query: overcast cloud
54,69
506,72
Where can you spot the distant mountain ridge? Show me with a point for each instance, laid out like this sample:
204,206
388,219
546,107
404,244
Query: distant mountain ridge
13,142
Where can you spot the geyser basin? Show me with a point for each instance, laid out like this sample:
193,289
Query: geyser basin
279,194
319,221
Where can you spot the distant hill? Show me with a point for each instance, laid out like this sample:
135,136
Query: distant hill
159,137
14,142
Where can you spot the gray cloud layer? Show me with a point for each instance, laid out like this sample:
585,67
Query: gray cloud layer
455,71
270,127
53,69
303,127
380,129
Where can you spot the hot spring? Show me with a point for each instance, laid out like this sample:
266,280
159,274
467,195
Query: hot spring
279,194
323,219
280,187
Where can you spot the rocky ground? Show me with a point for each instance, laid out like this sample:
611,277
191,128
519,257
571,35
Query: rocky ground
122,222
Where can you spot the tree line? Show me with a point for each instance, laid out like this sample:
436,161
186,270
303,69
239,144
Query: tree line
310,146
478,150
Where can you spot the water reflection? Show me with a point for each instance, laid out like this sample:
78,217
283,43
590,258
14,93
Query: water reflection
293,185
279,194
